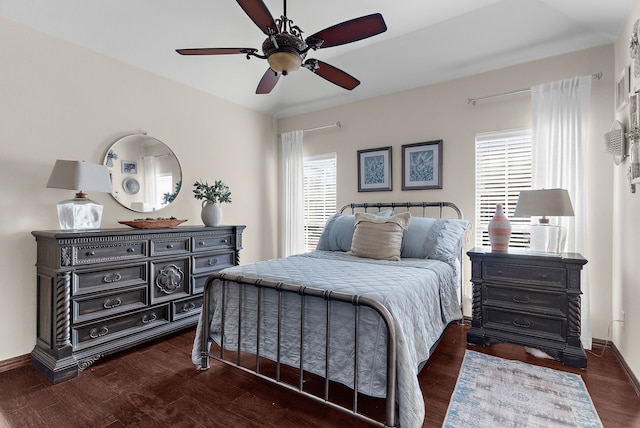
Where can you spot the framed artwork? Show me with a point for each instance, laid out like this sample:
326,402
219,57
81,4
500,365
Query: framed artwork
374,170
129,167
422,165
622,89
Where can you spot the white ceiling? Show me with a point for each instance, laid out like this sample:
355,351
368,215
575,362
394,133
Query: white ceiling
426,42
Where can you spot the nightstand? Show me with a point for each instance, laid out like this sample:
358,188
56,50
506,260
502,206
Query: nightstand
530,299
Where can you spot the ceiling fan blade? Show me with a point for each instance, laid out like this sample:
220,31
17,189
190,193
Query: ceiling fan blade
260,15
332,74
215,51
268,82
349,31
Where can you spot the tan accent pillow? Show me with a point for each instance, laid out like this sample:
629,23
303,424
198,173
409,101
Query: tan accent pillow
378,237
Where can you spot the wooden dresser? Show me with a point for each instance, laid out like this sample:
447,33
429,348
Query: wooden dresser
527,299
101,291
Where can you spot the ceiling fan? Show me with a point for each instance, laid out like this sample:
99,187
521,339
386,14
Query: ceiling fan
285,49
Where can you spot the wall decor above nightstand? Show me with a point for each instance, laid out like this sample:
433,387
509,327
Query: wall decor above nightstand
102,291
528,299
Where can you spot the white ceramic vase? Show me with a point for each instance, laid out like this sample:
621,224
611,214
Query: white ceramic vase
211,213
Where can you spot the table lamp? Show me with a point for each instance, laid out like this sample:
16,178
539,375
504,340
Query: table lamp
545,237
80,212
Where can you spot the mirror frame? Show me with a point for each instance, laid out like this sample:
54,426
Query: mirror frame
127,171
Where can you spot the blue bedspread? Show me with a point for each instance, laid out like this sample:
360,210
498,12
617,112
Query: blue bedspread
420,294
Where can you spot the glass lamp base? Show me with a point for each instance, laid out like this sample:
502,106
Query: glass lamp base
79,213
547,238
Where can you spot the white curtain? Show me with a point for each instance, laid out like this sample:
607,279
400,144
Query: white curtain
149,181
560,117
292,218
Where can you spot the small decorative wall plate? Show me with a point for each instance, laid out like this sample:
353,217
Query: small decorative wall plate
131,186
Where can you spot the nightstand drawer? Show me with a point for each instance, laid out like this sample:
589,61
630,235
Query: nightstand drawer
525,274
547,303
525,323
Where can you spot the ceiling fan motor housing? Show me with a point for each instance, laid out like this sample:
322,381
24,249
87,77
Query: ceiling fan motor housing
286,54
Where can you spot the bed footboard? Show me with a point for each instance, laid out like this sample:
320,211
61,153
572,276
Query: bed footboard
358,302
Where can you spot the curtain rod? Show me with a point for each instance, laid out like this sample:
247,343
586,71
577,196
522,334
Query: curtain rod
318,128
596,76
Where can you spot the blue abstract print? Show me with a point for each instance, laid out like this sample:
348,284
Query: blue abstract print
421,166
374,170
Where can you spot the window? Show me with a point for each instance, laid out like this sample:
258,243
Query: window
503,169
319,196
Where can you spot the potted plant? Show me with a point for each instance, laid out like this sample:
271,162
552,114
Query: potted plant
211,196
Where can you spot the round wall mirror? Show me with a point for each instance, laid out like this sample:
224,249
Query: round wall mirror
145,173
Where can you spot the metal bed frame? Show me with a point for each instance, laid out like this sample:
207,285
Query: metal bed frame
328,296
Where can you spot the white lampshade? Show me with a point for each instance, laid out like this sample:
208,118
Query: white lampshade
80,212
545,237
544,202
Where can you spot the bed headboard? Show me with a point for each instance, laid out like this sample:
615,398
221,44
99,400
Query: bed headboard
426,207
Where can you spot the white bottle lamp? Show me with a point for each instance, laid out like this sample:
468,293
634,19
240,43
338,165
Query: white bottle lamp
80,212
545,237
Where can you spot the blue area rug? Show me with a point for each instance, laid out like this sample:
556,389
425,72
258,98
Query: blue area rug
494,392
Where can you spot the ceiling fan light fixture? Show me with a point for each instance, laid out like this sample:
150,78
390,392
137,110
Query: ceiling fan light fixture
284,62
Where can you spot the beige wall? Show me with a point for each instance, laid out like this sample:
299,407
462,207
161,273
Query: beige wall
442,112
60,101
626,229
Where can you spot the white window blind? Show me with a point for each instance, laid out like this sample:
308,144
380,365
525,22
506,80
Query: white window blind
503,169
319,196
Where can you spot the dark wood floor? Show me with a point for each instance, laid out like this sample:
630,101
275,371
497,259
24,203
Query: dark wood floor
156,385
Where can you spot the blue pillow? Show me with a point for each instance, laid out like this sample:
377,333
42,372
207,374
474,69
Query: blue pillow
444,240
338,231
413,239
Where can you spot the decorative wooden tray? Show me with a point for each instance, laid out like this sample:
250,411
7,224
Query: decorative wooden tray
152,224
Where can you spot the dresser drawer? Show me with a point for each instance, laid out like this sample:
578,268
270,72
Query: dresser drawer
114,328
212,262
549,303
91,281
111,252
215,241
90,308
169,246
169,280
525,274
186,308
525,323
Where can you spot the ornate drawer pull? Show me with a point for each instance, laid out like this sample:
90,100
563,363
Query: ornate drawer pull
213,262
186,308
545,276
169,245
149,318
90,253
201,243
94,333
112,277
108,305
131,250
525,324
524,299
225,241
499,272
